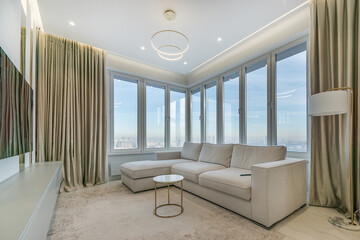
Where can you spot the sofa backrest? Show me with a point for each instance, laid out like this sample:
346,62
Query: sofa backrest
216,153
244,156
191,151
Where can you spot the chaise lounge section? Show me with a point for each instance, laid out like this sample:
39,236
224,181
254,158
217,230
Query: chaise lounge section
273,188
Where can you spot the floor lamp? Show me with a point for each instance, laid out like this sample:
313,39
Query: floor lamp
337,101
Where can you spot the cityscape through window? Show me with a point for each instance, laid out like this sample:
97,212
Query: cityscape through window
256,104
291,98
125,113
177,117
155,116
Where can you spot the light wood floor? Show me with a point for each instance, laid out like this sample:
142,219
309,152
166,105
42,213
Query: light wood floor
310,223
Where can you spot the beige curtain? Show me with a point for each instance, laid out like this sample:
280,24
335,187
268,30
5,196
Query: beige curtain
334,63
71,109
22,69
22,50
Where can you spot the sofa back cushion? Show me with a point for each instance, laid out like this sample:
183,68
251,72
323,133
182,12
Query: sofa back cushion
244,156
216,153
191,151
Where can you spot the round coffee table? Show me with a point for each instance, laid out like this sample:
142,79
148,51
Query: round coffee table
169,180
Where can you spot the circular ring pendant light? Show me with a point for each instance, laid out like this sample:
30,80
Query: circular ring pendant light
170,51
172,56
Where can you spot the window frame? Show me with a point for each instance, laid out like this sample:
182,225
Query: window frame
113,76
243,94
179,89
196,87
213,82
141,113
308,91
158,85
271,107
237,70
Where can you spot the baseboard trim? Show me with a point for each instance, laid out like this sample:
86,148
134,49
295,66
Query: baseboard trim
115,177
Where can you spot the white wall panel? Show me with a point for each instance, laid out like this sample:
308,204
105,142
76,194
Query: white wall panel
8,167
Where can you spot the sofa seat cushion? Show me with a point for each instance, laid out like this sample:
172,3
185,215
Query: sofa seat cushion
191,170
143,169
228,181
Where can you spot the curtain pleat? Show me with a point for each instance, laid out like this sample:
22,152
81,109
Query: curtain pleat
71,109
334,63
22,71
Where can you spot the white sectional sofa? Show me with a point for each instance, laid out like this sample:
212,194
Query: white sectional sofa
275,188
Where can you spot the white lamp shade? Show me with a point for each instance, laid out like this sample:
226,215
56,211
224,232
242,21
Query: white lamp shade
329,103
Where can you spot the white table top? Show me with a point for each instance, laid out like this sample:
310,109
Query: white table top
170,178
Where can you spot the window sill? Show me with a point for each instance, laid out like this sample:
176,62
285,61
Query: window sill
304,155
148,151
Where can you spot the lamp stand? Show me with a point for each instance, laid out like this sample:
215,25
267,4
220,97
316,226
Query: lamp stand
338,221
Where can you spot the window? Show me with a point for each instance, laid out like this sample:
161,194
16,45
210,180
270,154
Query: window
177,117
291,98
231,108
270,92
210,112
256,103
147,115
196,115
155,116
125,103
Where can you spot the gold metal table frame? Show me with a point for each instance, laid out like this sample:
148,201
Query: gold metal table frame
168,203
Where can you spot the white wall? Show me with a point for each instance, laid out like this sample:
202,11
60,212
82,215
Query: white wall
27,42
8,167
286,29
10,29
132,67
10,25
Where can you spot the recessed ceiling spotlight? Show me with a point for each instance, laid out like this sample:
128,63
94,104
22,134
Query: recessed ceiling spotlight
185,63
72,23
219,39
142,48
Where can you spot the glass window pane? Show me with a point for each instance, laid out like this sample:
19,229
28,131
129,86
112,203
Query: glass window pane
195,116
291,102
210,113
177,118
256,104
231,108
155,116
125,113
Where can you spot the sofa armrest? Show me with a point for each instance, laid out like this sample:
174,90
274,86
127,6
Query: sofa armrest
277,189
168,155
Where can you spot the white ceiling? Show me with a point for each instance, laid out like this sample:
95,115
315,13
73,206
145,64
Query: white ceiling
123,26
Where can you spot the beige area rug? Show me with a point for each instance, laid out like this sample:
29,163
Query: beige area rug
112,211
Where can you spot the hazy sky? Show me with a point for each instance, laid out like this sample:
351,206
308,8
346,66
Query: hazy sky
125,108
